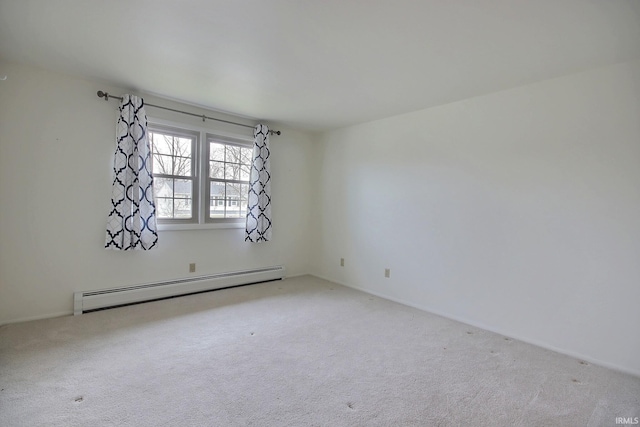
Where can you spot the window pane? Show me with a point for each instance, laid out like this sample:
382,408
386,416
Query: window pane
161,143
233,200
245,172
182,208
162,187
183,199
172,155
247,154
173,198
244,193
163,194
216,170
182,159
234,190
182,166
217,200
231,171
233,211
216,151
233,154
182,188
183,146
162,164
164,208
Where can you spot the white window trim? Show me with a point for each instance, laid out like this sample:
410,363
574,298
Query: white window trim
207,181
195,177
202,143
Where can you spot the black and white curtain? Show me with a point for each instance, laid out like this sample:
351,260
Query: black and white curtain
259,202
132,220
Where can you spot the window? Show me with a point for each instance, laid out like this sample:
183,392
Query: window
187,171
228,179
174,175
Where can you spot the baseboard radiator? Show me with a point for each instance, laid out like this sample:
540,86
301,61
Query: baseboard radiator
106,298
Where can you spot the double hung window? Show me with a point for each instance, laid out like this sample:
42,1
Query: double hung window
229,166
199,177
174,161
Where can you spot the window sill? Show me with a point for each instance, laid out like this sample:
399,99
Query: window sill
206,226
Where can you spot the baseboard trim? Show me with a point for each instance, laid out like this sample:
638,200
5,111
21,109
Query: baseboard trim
99,299
480,325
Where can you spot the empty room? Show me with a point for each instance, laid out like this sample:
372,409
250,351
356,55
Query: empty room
320,213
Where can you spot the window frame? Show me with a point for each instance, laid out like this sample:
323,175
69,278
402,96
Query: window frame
226,140
200,168
194,177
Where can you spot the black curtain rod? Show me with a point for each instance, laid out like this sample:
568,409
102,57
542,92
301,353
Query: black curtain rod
106,97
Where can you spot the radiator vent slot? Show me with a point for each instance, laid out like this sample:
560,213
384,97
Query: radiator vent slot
84,301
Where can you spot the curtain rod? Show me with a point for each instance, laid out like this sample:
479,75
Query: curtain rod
106,97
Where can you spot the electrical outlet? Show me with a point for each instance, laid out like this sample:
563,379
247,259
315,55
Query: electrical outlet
387,272
192,267
341,262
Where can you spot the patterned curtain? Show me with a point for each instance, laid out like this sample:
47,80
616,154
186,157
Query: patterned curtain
132,220
259,202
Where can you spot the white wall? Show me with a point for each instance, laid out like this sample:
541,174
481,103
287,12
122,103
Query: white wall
57,140
518,211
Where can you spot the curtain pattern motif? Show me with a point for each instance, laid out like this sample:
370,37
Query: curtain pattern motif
132,220
258,227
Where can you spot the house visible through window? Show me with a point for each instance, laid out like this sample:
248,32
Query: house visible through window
220,180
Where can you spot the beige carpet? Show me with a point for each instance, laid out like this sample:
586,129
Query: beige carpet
299,352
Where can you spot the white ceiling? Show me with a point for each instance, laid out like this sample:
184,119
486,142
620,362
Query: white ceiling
319,64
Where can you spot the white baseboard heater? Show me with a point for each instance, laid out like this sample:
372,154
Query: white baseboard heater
94,300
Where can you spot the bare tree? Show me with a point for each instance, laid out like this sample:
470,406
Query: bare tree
171,155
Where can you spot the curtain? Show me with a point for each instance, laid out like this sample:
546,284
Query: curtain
259,201
132,220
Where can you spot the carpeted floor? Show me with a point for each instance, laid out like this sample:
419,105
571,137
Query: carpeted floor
299,352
